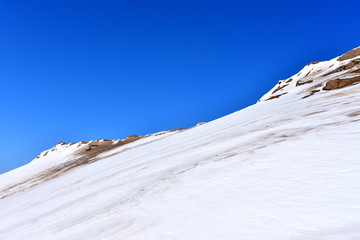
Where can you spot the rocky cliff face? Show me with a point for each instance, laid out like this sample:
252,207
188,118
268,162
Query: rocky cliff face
319,77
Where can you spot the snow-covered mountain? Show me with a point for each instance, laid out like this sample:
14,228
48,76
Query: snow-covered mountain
287,167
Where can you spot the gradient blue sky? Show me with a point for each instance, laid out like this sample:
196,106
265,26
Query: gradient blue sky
83,70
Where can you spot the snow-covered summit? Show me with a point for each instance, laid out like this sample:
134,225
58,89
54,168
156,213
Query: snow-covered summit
317,77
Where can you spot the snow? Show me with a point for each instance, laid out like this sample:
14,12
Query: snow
319,73
282,169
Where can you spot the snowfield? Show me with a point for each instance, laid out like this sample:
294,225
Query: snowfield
287,168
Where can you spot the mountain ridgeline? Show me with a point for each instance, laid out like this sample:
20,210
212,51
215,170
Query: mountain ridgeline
286,167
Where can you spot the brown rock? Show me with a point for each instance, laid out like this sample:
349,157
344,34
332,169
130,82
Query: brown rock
85,156
176,129
353,53
313,63
352,64
133,137
340,83
274,97
311,93
299,83
279,88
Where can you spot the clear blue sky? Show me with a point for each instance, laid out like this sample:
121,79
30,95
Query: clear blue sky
83,70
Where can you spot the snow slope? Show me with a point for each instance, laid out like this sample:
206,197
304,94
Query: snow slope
286,168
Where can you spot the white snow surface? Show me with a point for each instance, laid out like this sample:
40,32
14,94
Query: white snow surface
314,76
288,168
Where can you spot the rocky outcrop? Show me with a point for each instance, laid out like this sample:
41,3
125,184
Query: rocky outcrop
279,88
299,83
97,147
340,83
313,63
321,76
353,53
352,64
82,153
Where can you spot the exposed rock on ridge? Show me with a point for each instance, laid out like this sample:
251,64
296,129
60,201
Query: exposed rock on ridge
351,54
80,154
318,77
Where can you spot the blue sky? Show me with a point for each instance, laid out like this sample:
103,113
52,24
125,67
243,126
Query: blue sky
84,70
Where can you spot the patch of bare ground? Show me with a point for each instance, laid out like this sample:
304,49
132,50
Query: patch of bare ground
311,93
299,83
340,83
354,114
279,88
351,64
176,129
313,63
353,53
276,96
94,148
315,87
83,156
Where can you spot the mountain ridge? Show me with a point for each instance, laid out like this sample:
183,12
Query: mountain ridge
320,76
287,168
348,63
